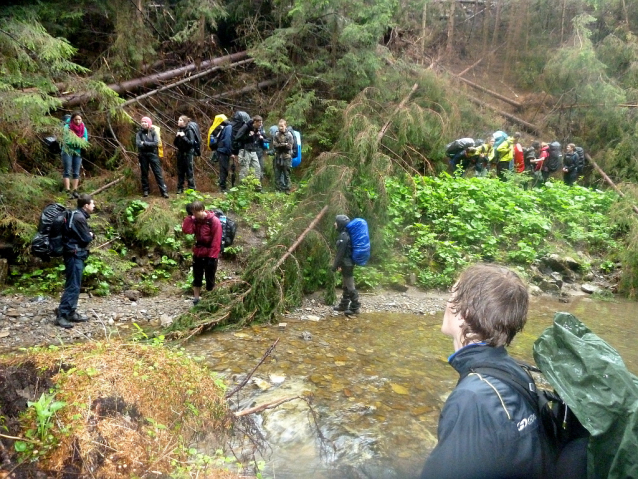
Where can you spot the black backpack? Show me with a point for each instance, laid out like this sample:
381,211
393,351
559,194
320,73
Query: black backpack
239,120
197,148
229,229
458,146
580,161
560,425
55,222
555,159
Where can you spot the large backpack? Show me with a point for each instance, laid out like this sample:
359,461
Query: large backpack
555,159
197,147
359,240
229,229
458,146
239,120
529,154
580,161
55,221
499,137
296,147
215,131
160,145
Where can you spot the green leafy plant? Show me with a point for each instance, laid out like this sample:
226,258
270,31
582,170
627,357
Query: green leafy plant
42,440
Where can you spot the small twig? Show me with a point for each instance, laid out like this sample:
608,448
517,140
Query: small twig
108,185
108,242
20,439
247,378
268,405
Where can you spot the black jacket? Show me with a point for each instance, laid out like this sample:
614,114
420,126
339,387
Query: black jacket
477,439
185,144
343,258
146,141
570,162
249,138
78,236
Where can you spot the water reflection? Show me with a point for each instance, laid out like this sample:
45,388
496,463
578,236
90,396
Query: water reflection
378,383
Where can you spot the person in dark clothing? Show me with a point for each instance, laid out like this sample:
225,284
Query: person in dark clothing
249,140
282,145
570,165
487,430
224,154
208,242
343,261
147,141
77,237
185,141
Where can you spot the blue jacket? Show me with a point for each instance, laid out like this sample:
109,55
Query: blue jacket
226,141
482,434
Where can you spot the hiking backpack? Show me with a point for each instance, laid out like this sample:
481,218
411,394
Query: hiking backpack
239,120
215,131
55,221
458,146
229,229
160,145
359,240
197,147
580,162
296,147
555,159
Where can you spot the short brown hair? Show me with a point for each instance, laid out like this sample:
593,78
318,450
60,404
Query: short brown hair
257,118
493,302
84,199
197,206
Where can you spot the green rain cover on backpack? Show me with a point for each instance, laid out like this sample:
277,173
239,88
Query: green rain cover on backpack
592,379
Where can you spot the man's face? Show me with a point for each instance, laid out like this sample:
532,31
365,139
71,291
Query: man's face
200,215
257,124
491,141
282,127
569,149
90,207
145,124
451,319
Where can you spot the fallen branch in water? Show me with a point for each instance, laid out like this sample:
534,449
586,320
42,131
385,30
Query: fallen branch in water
263,407
247,378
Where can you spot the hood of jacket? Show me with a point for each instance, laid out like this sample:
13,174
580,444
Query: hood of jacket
342,221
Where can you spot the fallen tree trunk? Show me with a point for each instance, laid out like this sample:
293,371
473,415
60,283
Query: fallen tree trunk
132,85
247,89
108,185
185,80
381,133
492,93
529,127
301,237
608,180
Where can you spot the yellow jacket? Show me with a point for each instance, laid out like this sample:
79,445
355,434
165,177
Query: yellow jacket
506,150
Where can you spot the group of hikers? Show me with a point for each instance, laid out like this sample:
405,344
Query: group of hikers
503,153
241,139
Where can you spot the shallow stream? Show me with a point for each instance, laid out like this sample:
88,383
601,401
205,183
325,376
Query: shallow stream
377,383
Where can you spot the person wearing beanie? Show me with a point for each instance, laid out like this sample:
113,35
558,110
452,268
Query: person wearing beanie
147,141
343,262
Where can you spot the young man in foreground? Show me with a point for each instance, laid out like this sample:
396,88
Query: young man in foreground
486,429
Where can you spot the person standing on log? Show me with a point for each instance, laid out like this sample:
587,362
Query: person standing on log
343,262
77,236
75,136
208,242
147,141
282,145
185,141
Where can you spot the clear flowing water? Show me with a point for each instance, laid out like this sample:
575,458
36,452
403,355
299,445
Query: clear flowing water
377,383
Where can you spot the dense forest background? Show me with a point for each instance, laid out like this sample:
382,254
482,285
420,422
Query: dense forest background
374,86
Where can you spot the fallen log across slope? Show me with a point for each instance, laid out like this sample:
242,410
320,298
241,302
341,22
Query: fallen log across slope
527,126
136,83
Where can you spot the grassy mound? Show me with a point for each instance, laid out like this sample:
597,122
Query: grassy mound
111,410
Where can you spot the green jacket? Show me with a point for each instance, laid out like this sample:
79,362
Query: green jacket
506,150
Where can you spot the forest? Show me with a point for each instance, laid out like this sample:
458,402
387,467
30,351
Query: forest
377,88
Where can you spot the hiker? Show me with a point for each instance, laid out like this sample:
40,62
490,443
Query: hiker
570,165
184,142
282,144
77,237
505,153
519,156
486,428
146,140
248,139
225,155
208,239
343,262
540,175
262,146
482,155
72,153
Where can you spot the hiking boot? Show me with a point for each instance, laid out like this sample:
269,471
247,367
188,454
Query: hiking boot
352,311
164,195
63,322
180,191
75,194
69,194
78,318
145,194
195,301
343,305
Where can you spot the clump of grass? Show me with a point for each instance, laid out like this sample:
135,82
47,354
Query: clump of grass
130,408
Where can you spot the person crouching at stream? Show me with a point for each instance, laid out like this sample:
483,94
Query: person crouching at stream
343,261
77,236
487,430
208,242
147,142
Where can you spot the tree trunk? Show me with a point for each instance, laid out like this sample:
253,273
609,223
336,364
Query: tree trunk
132,85
497,20
423,26
562,21
492,93
519,121
450,29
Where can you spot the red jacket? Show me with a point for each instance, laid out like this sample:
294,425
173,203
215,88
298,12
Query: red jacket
208,235
543,156
519,160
